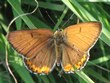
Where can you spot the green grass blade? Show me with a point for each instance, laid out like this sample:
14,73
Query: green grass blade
97,75
61,18
38,23
46,5
16,7
51,78
100,60
18,21
84,77
45,79
3,23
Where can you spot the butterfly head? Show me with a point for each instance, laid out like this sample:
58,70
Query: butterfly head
58,32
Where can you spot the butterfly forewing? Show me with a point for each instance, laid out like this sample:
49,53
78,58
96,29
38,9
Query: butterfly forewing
29,42
83,35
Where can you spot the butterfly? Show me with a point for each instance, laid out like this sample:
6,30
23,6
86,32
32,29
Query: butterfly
43,49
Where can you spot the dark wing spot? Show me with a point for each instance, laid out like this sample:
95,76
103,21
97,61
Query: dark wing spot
80,29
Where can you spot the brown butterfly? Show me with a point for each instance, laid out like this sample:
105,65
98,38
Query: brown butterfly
43,49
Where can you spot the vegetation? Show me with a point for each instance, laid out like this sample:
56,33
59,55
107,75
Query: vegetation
53,14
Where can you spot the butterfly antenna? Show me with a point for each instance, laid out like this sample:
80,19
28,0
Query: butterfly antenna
40,13
50,18
107,70
67,21
25,14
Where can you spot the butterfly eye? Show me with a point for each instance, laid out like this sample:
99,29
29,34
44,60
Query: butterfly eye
59,30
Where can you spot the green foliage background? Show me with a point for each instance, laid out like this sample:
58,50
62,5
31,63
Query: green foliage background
98,67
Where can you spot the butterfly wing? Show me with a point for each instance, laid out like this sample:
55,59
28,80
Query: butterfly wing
36,46
72,58
44,61
79,39
29,42
83,35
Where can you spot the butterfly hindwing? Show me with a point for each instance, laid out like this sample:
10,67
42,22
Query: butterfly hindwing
44,61
72,58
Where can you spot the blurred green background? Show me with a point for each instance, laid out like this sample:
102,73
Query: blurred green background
53,14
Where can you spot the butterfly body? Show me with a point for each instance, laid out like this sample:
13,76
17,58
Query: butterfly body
58,41
42,49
